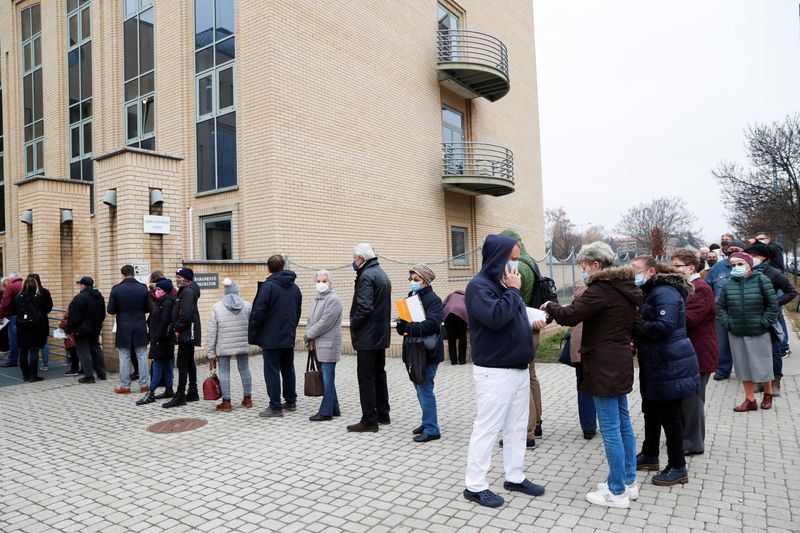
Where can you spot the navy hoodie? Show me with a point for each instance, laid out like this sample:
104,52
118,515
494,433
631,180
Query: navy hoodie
499,333
276,312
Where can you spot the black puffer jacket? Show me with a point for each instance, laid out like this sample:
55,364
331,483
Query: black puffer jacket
186,316
162,340
86,314
370,313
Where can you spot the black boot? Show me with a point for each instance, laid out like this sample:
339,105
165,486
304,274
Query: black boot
176,401
148,398
192,395
168,393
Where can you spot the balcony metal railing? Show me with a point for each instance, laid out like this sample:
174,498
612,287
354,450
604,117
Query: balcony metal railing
465,46
478,159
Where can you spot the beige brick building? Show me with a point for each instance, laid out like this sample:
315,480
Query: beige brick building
264,126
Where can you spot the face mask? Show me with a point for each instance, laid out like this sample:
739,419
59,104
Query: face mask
757,261
182,282
585,277
738,271
322,287
160,293
762,241
513,265
711,262
415,286
639,280
355,266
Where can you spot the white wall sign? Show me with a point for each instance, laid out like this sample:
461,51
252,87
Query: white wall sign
141,271
156,224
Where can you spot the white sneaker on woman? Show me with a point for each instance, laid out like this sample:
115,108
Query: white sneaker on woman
631,490
606,499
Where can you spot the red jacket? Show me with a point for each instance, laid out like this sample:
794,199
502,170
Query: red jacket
13,288
701,325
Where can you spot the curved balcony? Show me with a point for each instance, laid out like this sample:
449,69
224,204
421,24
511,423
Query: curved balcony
473,64
478,168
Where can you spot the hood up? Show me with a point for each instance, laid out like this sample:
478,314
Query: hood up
496,249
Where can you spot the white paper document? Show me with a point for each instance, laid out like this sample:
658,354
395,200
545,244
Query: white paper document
535,314
58,333
114,329
415,308
3,323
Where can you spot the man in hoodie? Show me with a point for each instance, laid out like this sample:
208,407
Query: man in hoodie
716,278
502,349
273,327
13,286
186,323
86,315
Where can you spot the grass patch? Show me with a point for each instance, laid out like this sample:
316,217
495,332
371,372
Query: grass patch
550,348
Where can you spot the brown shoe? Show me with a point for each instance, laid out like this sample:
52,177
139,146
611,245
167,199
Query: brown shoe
747,405
776,387
144,389
766,403
225,406
120,390
247,401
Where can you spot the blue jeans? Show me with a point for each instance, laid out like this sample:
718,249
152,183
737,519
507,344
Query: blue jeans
619,440
224,368
279,364
777,359
586,411
125,366
427,401
13,347
45,354
162,367
725,359
330,400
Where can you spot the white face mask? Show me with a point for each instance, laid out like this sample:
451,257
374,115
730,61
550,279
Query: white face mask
322,287
757,261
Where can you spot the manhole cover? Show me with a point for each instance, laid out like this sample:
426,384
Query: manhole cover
177,425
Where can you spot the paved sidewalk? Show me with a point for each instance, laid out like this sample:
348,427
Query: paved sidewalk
79,458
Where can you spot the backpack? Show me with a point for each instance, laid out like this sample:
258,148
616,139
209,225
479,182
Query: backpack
544,289
28,312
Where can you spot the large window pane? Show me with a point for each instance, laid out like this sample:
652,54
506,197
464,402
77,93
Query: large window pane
87,138
74,77
88,169
29,159
147,83
86,71
226,150
205,156
73,30
146,41
75,141
86,23
37,52
225,88
27,91
26,58
132,120
226,50
131,90
205,98
225,18
39,148
36,19
204,59
130,7
26,24
148,119
203,23
37,94
217,239
131,48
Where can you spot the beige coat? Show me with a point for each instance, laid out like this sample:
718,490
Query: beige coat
577,332
325,326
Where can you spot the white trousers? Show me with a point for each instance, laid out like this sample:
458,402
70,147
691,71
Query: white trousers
502,396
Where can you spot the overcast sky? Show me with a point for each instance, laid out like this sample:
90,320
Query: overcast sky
640,99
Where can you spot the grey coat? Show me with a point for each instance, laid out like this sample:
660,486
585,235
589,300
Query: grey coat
227,331
325,326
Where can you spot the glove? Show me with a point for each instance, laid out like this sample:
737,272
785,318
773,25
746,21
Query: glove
306,339
402,327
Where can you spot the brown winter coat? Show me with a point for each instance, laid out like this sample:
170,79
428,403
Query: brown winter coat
608,309
577,332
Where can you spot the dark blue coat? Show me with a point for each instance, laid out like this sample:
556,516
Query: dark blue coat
432,325
130,301
668,368
499,332
276,312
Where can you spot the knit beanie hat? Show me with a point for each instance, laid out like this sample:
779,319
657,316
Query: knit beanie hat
742,255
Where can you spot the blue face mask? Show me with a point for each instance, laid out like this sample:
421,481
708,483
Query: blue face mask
585,277
415,286
738,271
355,266
639,280
513,265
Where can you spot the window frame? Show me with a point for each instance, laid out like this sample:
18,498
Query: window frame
36,143
218,217
83,121
140,100
463,261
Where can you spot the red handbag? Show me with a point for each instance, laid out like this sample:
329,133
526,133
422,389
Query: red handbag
211,387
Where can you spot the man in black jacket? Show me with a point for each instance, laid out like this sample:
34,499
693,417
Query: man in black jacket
272,326
186,322
370,317
86,315
130,301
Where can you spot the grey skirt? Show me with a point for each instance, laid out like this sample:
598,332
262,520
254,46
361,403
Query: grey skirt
752,357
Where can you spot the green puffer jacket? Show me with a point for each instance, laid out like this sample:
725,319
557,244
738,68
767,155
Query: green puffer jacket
747,306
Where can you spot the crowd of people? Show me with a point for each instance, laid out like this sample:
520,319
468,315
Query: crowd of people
703,314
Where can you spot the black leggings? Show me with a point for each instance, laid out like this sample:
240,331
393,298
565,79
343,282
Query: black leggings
186,368
667,415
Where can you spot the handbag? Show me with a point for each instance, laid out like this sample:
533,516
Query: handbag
564,357
313,377
415,357
211,387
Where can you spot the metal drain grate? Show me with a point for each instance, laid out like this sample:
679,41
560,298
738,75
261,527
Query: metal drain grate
177,425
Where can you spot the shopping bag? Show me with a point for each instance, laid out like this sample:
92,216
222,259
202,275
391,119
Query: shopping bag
313,377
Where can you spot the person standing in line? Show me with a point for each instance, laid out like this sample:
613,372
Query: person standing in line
46,348
370,328
273,327
324,335
701,324
502,349
162,343
31,306
226,338
716,278
186,324
85,322
130,302
69,345
455,324
587,414
13,286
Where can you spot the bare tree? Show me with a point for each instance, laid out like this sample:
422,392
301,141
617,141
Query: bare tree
653,224
563,240
594,234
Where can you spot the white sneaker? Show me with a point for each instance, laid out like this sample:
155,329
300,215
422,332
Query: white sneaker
631,490
606,499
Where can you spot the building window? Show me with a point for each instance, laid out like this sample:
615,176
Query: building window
32,90
217,237
79,73
137,29
458,246
215,86
453,136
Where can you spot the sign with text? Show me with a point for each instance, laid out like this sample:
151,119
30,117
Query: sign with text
156,224
141,271
207,280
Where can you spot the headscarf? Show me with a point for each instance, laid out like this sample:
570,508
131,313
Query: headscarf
424,271
231,300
